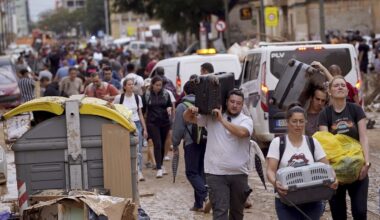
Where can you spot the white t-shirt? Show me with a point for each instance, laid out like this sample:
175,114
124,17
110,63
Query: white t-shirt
226,154
130,103
293,155
138,81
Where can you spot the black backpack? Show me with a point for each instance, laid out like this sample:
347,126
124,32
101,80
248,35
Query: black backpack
136,98
310,143
198,134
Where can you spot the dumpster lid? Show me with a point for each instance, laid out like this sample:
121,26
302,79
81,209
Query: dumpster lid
89,106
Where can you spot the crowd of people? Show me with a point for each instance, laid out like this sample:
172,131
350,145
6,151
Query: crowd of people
215,146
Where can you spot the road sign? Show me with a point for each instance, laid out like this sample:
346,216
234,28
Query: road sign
220,26
271,16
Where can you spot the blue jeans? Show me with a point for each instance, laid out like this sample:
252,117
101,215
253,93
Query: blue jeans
140,146
284,212
194,156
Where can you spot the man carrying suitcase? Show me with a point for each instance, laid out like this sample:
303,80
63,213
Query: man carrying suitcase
226,155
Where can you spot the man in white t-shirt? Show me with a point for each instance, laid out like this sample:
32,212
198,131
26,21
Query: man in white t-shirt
227,156
139,81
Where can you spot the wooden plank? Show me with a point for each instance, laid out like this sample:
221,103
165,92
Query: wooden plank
117,170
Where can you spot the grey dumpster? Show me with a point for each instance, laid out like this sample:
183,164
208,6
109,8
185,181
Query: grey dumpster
44,161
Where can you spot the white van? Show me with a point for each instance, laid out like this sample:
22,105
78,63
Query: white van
263,67
179,69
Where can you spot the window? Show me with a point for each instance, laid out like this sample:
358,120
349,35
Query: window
328,57
252,67
70,3
80,3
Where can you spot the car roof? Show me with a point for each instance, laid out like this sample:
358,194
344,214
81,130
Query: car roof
199,57
292,47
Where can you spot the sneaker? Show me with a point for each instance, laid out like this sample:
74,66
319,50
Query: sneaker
159,173
164,170
166,158
141,177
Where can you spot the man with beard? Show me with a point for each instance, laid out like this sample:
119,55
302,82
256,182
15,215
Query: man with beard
226,157
99,89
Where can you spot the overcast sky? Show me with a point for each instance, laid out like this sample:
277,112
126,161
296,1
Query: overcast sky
38,6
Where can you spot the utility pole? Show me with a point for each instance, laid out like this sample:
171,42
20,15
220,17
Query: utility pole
262,35
227,20
106,20
322,21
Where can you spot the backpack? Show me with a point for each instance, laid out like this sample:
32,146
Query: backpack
136,99
310,144
198,134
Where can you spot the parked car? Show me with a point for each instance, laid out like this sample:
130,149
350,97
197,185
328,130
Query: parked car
136,47
263,67
9,90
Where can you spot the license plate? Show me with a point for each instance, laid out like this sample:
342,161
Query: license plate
281,123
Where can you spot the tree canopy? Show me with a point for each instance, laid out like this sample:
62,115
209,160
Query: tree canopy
175,15
60,21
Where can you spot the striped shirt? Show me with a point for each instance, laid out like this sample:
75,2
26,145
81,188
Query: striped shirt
26,86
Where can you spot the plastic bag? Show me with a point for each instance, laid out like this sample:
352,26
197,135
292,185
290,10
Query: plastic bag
344,154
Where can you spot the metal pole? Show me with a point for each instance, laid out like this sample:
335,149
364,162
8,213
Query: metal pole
322,21
106,20
227,20
262,22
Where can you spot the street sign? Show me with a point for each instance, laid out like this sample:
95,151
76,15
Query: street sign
220,26
271,16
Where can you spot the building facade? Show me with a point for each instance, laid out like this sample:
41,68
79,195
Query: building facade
71,5
21,10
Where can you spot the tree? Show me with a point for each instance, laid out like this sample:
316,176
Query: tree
175,15
94,20
60,21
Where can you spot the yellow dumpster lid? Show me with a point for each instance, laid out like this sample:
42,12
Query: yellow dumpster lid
89,106
116,112
53,104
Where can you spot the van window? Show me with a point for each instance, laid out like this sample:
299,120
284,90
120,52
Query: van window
252,67
328,57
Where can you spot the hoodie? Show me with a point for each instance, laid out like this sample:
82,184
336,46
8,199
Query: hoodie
179,130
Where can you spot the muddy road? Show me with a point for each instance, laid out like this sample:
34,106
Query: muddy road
163,199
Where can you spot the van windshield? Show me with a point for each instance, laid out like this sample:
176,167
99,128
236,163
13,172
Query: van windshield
328,57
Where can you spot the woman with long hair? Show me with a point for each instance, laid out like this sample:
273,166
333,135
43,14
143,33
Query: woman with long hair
343,117
134,103
156,104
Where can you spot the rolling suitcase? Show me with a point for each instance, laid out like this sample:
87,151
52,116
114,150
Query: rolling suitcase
295,84
212,90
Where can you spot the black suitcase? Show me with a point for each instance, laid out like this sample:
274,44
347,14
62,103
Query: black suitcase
212,90
296,84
